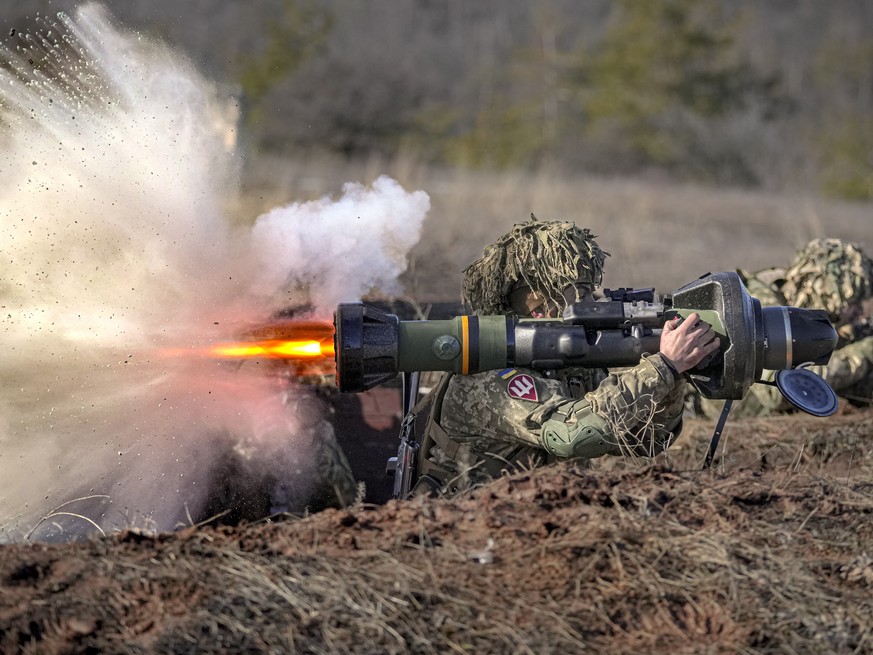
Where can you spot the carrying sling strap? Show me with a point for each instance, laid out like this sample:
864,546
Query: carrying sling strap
433,433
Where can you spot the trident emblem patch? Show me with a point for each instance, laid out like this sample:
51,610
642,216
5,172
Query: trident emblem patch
522,387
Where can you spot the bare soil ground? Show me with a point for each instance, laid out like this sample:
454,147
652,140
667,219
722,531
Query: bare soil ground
770,551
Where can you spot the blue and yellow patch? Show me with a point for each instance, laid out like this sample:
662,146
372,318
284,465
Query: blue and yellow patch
507,373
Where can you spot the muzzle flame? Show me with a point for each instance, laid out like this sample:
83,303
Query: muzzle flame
296,347
303,349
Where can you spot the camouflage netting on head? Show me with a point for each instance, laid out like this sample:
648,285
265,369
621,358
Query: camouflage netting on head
827,274
547,256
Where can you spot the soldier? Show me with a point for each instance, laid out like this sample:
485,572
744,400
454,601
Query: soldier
828,274
480,425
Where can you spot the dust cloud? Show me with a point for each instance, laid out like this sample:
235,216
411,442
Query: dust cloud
116,247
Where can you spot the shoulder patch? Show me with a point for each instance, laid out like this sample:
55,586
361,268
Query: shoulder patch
522,386
507,373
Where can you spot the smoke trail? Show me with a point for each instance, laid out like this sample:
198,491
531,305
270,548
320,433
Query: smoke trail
114,243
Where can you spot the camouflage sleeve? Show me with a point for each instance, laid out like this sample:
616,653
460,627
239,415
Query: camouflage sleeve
850,365
637,411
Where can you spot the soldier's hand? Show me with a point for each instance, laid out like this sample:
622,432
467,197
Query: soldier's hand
686,343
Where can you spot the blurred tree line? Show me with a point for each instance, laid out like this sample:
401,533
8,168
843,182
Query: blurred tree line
775,94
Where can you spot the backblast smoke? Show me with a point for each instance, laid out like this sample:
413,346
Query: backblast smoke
116,247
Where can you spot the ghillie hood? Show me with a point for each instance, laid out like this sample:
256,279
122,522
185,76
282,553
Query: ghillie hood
547,257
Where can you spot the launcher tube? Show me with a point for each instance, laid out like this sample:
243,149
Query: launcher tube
472,344
464,344
372,347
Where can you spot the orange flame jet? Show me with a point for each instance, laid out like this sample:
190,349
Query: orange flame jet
295,346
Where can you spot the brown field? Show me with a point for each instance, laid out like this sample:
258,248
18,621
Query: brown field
771,551
659,233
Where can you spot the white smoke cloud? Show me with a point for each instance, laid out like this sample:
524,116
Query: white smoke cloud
115,245
343,247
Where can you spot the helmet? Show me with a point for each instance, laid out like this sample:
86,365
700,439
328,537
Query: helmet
829,274
546,257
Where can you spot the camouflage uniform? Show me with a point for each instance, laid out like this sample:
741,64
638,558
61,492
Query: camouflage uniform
483,424
829,274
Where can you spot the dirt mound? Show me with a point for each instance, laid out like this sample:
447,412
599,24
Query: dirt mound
771,551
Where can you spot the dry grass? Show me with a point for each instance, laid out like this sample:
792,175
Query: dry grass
660,234
555,560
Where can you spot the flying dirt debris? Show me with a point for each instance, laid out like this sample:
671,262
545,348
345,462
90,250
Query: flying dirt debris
122,263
